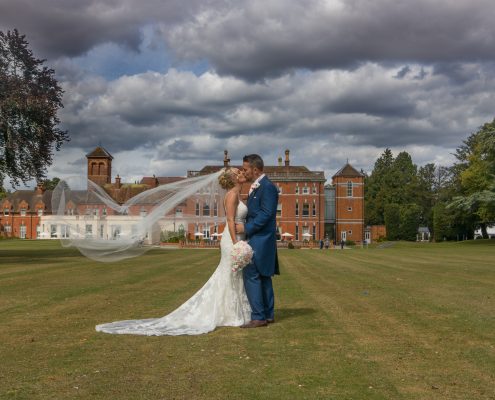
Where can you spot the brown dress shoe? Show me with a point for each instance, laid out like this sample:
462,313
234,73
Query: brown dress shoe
255,324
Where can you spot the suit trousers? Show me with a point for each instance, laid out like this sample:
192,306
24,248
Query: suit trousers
259,291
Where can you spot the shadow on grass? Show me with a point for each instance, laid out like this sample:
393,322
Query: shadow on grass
35,256
288,313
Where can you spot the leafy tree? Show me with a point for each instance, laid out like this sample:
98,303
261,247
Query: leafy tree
30,98
410,215
475,176
51,184
392,221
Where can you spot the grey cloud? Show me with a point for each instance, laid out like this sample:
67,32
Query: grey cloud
403,72
317,35
72,27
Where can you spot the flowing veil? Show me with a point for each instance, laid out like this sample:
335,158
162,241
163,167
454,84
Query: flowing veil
110,224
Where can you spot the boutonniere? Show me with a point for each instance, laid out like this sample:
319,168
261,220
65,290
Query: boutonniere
255,186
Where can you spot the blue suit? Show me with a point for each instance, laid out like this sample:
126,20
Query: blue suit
260,229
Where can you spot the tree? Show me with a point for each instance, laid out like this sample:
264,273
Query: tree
475,176
392,221
409,221
30,98
51,184
377,189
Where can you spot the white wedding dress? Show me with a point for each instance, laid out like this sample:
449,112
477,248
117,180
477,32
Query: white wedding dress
221,301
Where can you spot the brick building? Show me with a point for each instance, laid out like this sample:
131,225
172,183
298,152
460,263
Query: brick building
301,207
307,209
349,204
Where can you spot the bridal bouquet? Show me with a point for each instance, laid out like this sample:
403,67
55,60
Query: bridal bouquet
241,255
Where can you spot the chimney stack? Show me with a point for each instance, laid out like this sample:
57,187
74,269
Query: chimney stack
40,189
117,182
280,161
287,161
226,159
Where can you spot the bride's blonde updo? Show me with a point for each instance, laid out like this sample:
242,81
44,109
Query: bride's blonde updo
227,179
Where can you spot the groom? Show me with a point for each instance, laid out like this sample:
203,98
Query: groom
260,229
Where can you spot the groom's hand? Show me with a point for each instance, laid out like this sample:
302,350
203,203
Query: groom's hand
239,228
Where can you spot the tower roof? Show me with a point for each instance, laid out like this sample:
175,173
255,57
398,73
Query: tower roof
99,152
348,171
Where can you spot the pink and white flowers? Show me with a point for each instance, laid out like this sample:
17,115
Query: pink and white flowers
241,255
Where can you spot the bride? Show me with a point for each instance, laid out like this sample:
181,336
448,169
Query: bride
221,301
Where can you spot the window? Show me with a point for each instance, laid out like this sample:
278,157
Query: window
53,231
115,230
8,228
206,209
5,211
215,209
297,208
315,191
314,231
23,212
95,212
297,232
142,212
102,227
38,231
40,212
70,211
350,232
23,231
279,210
305,190
305,212
206,231
349,189
306,232
349,208
65,231
297,189
89,230
314,208
197,209
178,212
279,190
104,211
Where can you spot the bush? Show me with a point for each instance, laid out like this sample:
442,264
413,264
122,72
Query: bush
350,243
290,246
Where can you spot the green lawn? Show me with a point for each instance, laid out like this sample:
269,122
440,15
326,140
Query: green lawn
411,321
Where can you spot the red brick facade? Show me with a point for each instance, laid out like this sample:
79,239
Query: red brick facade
300,215
349,204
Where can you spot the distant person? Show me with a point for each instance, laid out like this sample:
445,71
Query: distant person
342,243
321,244
327,243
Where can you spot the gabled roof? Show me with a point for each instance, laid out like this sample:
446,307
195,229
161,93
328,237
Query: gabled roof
348,171
99,152
31,197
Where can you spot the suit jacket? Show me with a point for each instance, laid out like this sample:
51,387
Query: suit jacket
261,227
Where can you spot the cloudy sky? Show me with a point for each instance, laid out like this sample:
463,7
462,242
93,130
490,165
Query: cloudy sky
166,86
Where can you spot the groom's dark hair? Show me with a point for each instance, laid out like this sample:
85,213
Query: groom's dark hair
254,160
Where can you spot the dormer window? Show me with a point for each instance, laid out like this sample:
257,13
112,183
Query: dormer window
5,211
40,212
23,212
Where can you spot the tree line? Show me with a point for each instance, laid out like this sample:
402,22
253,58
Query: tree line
452,201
